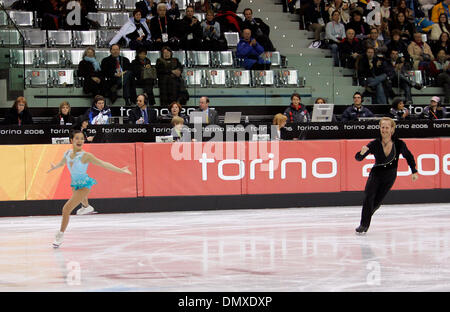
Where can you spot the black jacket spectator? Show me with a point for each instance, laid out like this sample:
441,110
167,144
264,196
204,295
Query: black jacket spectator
297,115
143,7
13,117
109,65
169,84
347,49
361,28
89,73
312,15
190,33
365,70
137,67
136,114
67,119
352,113
160,25
260,31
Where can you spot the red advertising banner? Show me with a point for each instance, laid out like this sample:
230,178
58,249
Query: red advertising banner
444,151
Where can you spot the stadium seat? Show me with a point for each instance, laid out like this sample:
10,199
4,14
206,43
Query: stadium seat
263,77
194,77
288,77
22,18
37,77
59,38
232,39
9,37
275,58
101,54
104,37
239,78
76,56
3,19
129,4
20,57
62,77
198,58
101,18
7,3
52,57
35,37
84,38
181,56
153,56
117,20
182,4
222,58
129,54
108,4
216,78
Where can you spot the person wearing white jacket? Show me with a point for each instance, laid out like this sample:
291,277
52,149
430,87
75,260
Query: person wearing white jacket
135,32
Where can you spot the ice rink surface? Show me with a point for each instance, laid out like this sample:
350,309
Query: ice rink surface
276,250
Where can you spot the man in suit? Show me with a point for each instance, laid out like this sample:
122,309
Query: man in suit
259,29
117,73
142,114
212,115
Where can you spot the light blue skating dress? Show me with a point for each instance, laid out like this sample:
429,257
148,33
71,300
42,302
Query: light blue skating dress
78,170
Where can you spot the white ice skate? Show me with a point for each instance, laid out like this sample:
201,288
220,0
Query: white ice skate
58,239
86,210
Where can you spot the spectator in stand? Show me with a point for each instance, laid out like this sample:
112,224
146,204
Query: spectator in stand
117,73
64,118
212,37
172,9
373,42
385,10
396,70
426,6
442,44
402,7
51,15
361,28
279,121
179,132
250,50
434,110
163,29
438,9
406,28
317,17
398,110
212,117
420,52
259,29
90,70
147,8
371,68
399,45
169,71
356,110
18,114
342,7
297,112
350,49
144,74
440,68
99,113
82,125
135,32
141,114
190,31
175,109
440,27
335,32
227,17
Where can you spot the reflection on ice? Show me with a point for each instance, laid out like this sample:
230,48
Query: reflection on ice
298,249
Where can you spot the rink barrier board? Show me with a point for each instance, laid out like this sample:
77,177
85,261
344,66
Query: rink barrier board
208,203
231,168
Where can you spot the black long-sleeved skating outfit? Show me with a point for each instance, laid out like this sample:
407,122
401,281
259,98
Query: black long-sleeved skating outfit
382,175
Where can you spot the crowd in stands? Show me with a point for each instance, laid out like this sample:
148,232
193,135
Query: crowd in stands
382,55
384,40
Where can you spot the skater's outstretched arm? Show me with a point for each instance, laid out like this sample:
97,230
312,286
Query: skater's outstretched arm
94,160
60,164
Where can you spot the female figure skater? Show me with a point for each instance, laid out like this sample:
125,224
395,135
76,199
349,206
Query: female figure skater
386,150
77,161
